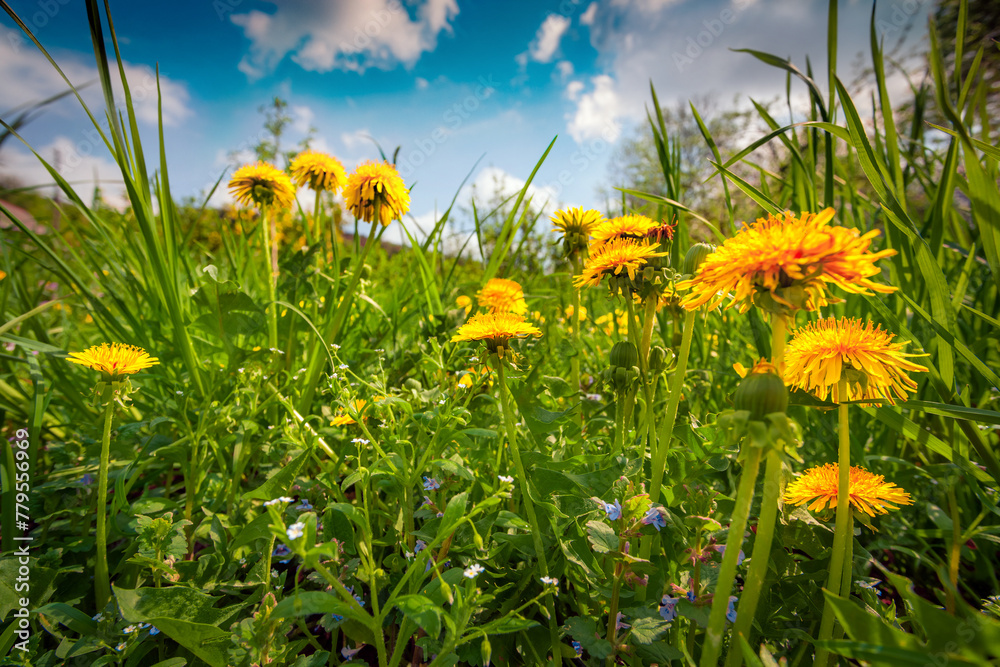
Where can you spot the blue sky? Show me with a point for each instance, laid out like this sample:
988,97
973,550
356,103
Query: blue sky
451,82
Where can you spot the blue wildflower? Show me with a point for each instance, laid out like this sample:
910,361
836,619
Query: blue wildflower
578,647
614,511
731,610
431,484
668,608
656,517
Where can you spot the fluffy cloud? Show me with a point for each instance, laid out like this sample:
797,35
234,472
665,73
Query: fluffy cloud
347,35
598,112
26,77
546,41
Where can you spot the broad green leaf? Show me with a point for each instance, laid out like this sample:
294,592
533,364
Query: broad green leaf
602,538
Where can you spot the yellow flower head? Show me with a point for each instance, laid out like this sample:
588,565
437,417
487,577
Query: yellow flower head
344,419
502,296
821,353
575,221
114,361
464,302
630,226
262,184
495,329
869,493
789,259
575,225
373,181
613,257
319,171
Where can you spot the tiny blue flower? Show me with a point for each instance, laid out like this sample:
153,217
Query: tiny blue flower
153,631
281,551
87,479
731,610
419,546
614,511
431,484
473,570
690,596
668,608
656,517
578,647
305,506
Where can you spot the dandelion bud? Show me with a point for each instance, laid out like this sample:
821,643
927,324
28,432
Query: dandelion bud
624,354
761,392
696,254
659,358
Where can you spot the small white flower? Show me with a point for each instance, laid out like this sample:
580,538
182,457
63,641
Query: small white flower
180,393
505,478
473,358
343,367
120,647
550,581
274,574
334,346
408,555
295,530
98,617
130,629
474,570
240,370
271,427
359,441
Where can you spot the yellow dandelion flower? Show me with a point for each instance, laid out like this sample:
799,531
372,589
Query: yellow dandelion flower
344,419
632,226
790,259
262,184
381,181
569,313
321,172
495,329
821,353
613,257
869,493
114,361
464,302
575,221
502,296
3,274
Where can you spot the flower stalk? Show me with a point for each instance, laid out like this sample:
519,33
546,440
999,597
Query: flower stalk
102,583
529,506
840,562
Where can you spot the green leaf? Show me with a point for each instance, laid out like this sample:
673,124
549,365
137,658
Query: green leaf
422,611
187,616
584,630
648,630
602,538
281,482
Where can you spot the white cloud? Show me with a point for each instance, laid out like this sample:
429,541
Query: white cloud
357,139
495,183
347,35
598,112
26,76
587,17
546,41
565,68
422,83
573,89
302,118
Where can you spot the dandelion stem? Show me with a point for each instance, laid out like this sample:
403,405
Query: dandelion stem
839,567
667,428
529,507
727,571
102,584
267,230
765,523
574,361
